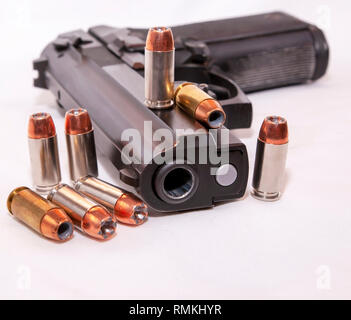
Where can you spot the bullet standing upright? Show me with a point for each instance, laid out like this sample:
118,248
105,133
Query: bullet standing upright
159,68
43,151
40,214
80,144
271,153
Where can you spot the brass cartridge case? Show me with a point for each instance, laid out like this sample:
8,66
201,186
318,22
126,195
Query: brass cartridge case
40,214
199,105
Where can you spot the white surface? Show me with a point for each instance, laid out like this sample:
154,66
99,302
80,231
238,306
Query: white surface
298,247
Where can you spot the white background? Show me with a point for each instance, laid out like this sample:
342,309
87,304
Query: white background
298,247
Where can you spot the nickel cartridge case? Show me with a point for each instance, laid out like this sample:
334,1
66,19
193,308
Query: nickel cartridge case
87,215
271,153
159,68
80,144
125,206
43,151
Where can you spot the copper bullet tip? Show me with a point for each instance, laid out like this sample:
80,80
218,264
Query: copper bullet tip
77,121
130,210
210,112
274,130
57,225
99,224
41,126
159,39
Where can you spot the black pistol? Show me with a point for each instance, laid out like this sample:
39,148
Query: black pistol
102,70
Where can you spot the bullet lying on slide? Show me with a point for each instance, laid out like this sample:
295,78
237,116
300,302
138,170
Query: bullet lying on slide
199,105
40,214
271,153
159,68
126,207
43,152
80,144
87,215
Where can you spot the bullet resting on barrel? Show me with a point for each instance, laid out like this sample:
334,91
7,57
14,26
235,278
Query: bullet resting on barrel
159,68
199,105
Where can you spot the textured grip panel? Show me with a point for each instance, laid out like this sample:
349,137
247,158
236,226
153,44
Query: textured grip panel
281,67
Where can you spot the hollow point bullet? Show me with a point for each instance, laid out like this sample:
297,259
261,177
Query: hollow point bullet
87,215
40,214
80,144
125,206
199,105
43,152
271,153
159,68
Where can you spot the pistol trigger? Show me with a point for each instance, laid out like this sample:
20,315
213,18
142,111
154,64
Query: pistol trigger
200,52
